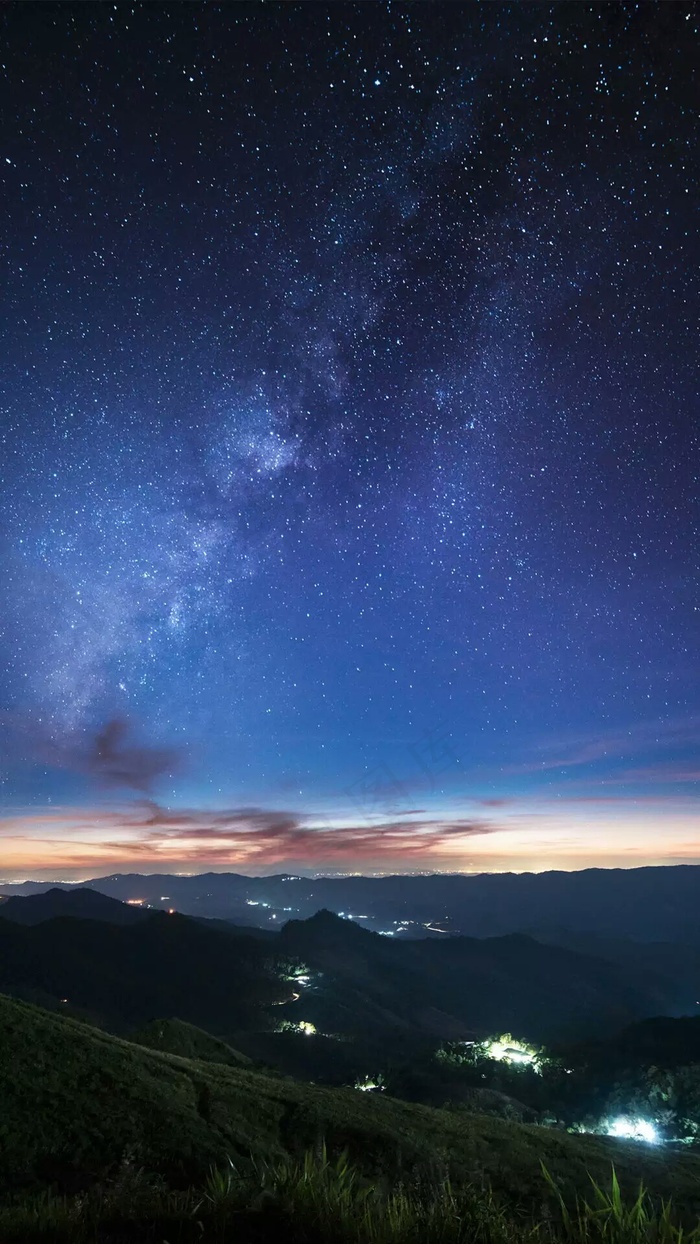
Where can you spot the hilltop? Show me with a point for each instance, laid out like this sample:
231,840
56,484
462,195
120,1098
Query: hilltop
173,1036
82,904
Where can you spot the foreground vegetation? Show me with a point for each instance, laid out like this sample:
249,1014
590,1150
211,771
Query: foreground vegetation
104,1140
316,1200
76,1101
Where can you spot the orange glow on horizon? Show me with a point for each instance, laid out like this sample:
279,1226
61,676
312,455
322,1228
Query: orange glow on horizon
78,843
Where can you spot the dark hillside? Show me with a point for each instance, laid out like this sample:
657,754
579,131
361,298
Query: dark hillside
362,985
670,970
82,904
173,1036
459,986
661,1042
125,976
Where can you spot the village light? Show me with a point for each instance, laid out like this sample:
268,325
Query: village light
506,1049
633,1129
369,1085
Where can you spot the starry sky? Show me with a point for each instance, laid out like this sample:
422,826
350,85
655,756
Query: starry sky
348,437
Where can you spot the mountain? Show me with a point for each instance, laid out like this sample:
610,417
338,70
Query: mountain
99,1097
669,969
459,987
124,976
172,1036
659,1042
326,973
642,904
82,904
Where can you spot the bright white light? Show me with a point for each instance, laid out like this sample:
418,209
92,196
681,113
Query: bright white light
368,1085
633,1129
510,1051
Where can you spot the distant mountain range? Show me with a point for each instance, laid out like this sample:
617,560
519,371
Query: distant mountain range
122,967
643,904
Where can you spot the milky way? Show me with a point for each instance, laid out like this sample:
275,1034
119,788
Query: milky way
349,408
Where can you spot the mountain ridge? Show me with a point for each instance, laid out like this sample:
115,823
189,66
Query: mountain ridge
651,903
355,981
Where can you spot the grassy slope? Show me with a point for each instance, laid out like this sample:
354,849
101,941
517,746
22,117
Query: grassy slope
75,1100
174,1036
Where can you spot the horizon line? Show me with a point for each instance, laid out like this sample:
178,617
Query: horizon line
339,876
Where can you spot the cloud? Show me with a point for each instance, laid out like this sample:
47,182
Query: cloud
146,837
254,835
110,758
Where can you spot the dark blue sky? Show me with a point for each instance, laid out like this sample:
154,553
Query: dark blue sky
349,433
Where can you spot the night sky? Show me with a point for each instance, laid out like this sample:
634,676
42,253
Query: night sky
349,437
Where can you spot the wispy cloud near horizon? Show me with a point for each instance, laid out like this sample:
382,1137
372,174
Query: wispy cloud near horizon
612,831
254,837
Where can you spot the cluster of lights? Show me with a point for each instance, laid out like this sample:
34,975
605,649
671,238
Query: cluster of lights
507,1049
300,974
302,1026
